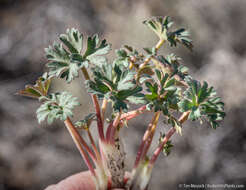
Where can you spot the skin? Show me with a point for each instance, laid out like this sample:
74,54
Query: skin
80,181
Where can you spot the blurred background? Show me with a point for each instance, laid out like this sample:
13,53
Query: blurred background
34,156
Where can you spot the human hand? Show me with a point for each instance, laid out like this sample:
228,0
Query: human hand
80,181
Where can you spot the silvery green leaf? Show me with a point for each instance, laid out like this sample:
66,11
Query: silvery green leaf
96,49
73,40
61,62
38,90
57,106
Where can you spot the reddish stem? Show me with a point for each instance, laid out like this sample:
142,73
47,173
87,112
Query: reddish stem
109,131
99,118
147,144
142,149
160,147
133,114
171,131
97,107
79,141
114,127
103,108
93,144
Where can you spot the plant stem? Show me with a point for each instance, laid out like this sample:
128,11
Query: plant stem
151,135
99,118
159,44
93,144
103,108
109,130
132,114
171,131
79,141
151,129
85,73
157,47
97,107
114,127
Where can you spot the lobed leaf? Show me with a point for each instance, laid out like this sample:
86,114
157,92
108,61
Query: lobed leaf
40,88
56,106
95,50
86,122
202,101
161,26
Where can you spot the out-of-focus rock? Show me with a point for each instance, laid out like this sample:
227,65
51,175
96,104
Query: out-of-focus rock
33,156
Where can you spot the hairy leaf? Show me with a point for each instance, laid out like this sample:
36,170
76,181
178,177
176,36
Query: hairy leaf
115,83
95,50
56,106
86,122
161,26
202,101
73,40
167,147
62,62
39,89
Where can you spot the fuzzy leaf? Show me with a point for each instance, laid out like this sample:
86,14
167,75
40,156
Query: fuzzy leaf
126,80
95,50
175,124
73,40
86,122
202,101
56,106
61,62
180,36
114,83
39,89
137,99
161,26
167,147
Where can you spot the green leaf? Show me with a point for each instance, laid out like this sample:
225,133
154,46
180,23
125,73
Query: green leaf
96,49
195,113
68,71
97,87
175,124
159,25
126,80
167,147
127,55
202,101
86,122
40,88
116,84
143,71
119,105
65,59
152,88
123,94
158,74
151,97
137,99
121,53
61,63
180,36
169,83
73,40
56,106
78,58
185,105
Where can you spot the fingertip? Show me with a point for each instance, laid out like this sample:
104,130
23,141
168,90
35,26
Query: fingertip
80,181
50,187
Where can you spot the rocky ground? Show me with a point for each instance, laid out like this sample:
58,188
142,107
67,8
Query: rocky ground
33,156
